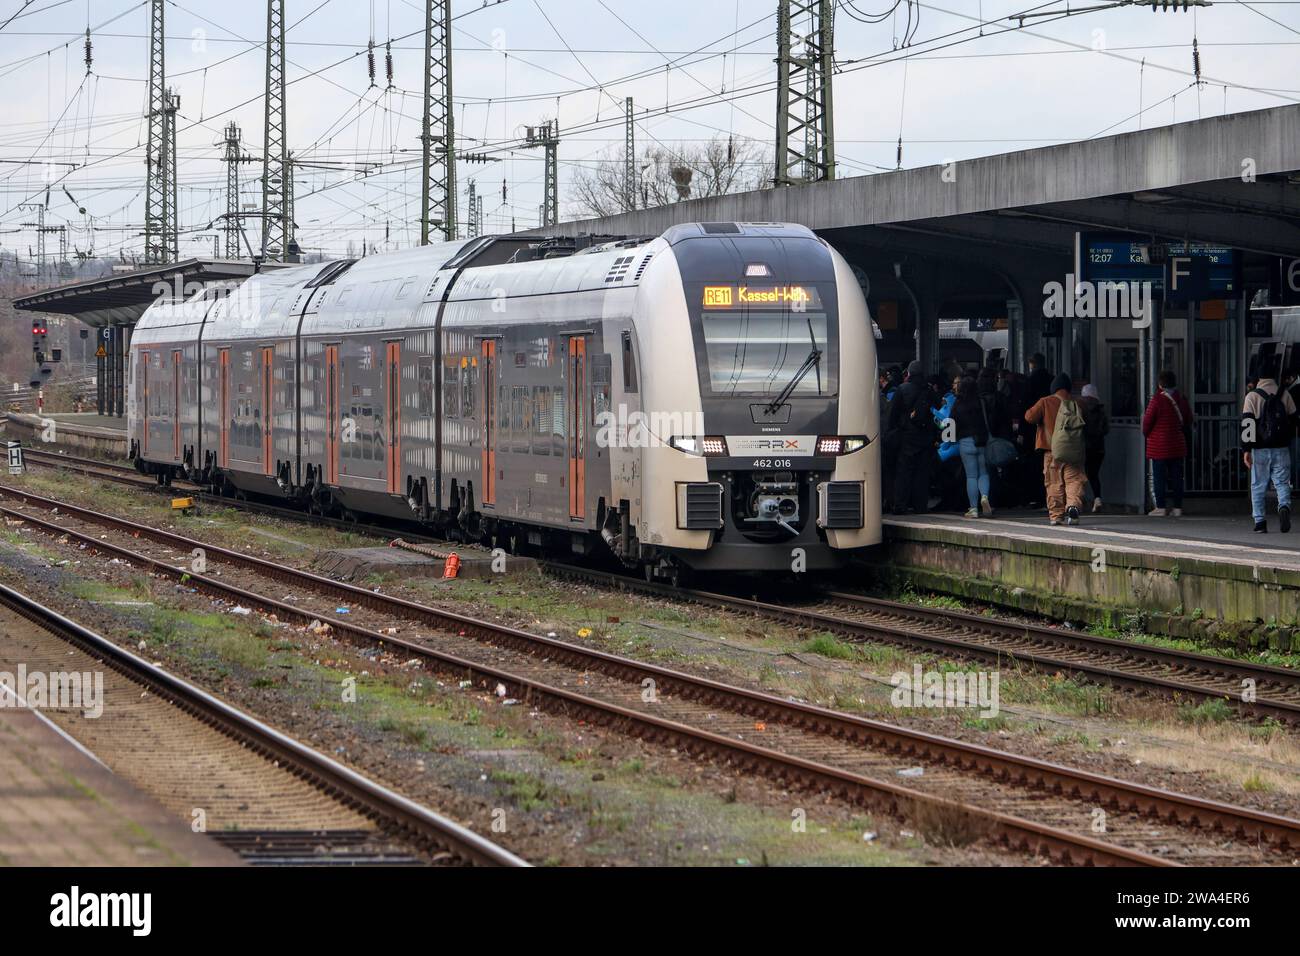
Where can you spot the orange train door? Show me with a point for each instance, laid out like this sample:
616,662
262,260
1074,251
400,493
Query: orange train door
331,414
176,405
144,403
268,445
223,449
393,363
578,426
488,354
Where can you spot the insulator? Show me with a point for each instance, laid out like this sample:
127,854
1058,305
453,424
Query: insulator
388,61
1196,60
370,60
89,52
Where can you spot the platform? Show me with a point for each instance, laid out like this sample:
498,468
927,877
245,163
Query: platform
115,422
84,432
60,807
1205,576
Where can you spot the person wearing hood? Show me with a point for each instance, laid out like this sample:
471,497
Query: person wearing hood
911,418
1063,474
1167,425
1096,426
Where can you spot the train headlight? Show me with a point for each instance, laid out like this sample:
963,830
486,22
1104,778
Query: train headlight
711,446
840,444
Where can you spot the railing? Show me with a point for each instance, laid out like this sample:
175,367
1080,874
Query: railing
1215,465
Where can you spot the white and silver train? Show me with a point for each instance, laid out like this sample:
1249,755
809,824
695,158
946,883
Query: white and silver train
705,399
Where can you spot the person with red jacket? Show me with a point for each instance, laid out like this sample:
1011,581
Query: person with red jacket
1167,426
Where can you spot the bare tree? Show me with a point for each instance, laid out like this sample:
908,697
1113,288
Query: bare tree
670,174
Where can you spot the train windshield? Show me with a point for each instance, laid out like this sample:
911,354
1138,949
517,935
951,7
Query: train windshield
760,341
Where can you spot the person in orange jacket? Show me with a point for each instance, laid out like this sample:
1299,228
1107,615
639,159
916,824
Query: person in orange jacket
1064,481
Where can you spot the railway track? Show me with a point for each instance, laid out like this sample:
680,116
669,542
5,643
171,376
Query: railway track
126,475
1140,667
966,791
1256,690
272,799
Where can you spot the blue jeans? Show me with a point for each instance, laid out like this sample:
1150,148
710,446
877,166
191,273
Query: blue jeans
1167,480
1269,464
977,469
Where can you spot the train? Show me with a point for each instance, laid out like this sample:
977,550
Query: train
701,400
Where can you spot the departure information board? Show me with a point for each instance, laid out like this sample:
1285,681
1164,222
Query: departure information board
1120,259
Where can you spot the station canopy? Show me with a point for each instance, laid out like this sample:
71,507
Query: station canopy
121,298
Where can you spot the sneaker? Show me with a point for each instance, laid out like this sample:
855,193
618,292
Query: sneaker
1096,506
1157,513
1284,519
1261,527
1072,515
972,513
985,507
1175,512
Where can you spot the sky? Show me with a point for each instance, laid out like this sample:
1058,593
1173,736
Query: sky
961,81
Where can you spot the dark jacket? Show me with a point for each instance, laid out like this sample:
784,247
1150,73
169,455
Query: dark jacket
1040,384
968,416
911,415
1096,423
1163,425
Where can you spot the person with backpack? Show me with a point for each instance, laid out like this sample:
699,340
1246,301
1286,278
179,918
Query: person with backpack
1167,425
1267,427
1096,426
1060,438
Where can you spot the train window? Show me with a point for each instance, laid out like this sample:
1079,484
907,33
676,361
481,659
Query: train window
469,383
451,390
503,417
629,364
518,433
541,420
424,373
557,420
290,386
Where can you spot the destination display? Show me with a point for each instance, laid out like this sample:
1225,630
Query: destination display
760,296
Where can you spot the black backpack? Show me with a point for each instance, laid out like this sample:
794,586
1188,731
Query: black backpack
1273,427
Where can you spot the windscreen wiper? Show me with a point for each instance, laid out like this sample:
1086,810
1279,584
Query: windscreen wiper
814,360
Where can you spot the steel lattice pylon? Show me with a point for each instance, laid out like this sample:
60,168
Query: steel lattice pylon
437,135
548,137
277,231
629,160
160,157
805,131
233,159
471,213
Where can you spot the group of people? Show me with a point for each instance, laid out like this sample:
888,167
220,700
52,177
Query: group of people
988,431
988,428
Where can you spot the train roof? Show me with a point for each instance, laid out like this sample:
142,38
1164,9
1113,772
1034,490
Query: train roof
391,288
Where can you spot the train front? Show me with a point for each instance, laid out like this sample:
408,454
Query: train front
777,466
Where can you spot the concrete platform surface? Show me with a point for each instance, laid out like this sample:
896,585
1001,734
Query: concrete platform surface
91,418
1223,539
61,807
